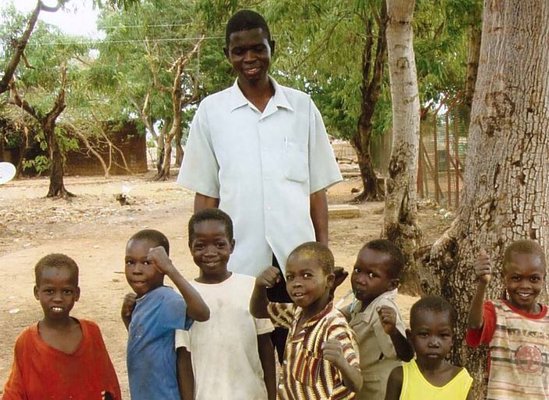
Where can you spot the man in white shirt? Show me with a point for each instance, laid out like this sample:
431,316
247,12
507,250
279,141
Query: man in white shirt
260,152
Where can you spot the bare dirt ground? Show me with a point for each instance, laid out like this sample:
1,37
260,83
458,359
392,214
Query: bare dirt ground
93,229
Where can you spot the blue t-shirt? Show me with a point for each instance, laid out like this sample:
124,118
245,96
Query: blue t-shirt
152,360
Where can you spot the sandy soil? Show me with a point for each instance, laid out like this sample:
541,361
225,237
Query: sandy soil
93,229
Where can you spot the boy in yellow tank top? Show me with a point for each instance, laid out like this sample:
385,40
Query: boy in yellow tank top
429,376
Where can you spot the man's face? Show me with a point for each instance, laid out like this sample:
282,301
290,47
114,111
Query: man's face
249,53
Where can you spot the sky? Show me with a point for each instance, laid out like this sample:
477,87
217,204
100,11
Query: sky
78,18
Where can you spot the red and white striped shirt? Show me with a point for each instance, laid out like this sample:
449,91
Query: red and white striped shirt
305,374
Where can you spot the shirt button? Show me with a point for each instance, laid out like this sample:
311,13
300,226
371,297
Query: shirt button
284,362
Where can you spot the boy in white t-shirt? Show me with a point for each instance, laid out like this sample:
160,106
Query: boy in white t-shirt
232,354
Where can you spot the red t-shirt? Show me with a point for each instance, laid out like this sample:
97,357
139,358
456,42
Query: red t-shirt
484,335
40,372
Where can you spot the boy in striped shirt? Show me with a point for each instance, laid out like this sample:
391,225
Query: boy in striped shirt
320,359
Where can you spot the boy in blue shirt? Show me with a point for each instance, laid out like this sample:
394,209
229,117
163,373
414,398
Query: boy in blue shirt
156,369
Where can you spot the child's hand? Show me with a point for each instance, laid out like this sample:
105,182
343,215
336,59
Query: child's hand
268,278
387,317
106,396
339,277
128,305
483,267
160,260
332,351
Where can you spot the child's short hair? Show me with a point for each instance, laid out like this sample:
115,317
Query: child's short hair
245,20
211,214
153,236
387,247
523,247
432,303
55,260
319,252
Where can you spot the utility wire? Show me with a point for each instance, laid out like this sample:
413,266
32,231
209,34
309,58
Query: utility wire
100,41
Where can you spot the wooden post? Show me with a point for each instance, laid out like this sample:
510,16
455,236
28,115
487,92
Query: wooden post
448,161
420,169
437,194
456,155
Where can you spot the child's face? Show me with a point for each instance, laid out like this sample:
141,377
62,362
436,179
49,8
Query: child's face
524,277
306,282
249,53
211,249
431,335
57,292
141,273
370,276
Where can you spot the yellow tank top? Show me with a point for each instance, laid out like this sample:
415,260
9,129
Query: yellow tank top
416,387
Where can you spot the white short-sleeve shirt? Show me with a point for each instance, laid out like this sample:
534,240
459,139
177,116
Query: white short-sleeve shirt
262,167
224,349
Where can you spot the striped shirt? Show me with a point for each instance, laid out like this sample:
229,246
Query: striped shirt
305,374
519,351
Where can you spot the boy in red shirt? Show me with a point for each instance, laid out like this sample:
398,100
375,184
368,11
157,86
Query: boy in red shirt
60,357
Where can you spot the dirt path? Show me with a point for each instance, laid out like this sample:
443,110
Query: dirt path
93,229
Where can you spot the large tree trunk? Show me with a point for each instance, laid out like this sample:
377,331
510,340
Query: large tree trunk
400,219
372,76
506,183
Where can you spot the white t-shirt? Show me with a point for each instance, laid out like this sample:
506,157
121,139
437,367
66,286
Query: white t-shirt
263,167
223,349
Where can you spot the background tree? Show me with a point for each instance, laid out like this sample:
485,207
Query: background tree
135,62
400,217
16,51
40,89
506,191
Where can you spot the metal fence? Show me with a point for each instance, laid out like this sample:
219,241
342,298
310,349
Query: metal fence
443,144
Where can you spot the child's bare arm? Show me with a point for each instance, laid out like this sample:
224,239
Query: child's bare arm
127,308
483,271
266,355
333,352
196,307
394,384
259,300
388,317
185,376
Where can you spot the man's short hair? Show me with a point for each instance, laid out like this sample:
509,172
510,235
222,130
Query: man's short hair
211,214
245,20
385,246
317,251
154,236
55,260
434,304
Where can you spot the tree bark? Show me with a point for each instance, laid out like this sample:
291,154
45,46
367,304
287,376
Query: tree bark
372,75
400,218
505,195
473,54
179,152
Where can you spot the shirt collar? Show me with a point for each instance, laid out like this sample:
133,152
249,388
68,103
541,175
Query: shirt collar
356,306
315,318
279,100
